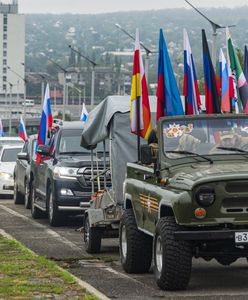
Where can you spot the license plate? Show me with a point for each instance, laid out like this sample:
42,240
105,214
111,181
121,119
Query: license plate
241,237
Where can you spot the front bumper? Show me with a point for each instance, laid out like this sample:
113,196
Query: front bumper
7,187
71,203
207,235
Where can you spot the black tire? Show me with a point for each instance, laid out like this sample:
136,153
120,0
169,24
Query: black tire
92,237
36,213
18,197
225,260
27,196
55,217
135,246
172,258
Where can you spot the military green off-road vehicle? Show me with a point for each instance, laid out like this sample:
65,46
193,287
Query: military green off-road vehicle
188,197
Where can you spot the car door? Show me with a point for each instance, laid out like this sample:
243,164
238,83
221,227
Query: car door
21,166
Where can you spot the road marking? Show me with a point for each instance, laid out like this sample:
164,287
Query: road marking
51,232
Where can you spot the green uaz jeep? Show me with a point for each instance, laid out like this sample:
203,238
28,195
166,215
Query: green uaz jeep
188,197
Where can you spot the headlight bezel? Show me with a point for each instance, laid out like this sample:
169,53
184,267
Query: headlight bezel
6,175
65,173
205,196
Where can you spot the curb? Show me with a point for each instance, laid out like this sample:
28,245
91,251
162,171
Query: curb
89,288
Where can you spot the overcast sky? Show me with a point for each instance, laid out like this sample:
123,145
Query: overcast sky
98,6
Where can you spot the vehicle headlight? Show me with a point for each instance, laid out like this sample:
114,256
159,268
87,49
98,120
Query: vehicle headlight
63,172
6,176
205,196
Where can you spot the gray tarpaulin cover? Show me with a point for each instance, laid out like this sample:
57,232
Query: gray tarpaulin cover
111,119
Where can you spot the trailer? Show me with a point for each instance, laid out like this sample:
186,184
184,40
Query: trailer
109,124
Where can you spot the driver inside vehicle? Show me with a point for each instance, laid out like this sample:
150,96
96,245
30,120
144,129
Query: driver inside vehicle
230,139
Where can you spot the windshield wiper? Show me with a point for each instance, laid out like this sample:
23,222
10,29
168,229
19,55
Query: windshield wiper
190,153
232,149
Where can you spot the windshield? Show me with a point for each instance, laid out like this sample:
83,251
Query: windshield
70,143
205,137
9,155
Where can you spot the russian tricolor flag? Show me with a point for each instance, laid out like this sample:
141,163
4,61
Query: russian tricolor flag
225,98
23,133
46,119
190,87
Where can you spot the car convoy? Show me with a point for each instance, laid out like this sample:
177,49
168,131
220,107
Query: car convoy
185,198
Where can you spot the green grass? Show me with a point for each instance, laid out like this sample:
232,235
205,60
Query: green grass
24,275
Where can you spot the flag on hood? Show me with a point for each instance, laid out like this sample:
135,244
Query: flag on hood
224,84
168,97
246,63
190,86
237,70
23,133
212,92
84,114
1,128
140,114
46,119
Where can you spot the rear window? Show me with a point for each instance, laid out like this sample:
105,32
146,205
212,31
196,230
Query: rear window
9,155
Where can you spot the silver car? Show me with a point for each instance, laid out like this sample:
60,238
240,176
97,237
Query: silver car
8,156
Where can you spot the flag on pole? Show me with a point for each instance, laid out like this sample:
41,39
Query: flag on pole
246,63
140,114
23,133
224,84
46,119
84,114
190,85
168,97
212,92
1,128
237,70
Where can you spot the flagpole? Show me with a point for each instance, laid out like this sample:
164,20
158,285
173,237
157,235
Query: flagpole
138,126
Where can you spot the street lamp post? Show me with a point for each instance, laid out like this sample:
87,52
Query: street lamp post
25,88
64,83
10,107
93,64
148,51
215,27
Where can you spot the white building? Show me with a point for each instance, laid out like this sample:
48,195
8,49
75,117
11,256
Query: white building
12,49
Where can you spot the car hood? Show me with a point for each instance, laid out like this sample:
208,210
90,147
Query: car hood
188,176
77,161
7,167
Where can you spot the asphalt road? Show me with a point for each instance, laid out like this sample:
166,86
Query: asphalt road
209,280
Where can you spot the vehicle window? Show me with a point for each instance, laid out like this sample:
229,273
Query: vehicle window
25,147
9,155
205,137
70,142
33,150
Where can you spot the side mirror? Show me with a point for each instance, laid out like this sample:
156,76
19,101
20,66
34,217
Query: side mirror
23,156
146,155
44,150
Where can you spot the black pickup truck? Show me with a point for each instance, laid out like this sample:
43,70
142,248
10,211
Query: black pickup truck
62,180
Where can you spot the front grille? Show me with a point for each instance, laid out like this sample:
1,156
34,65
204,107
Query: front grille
85,179
235,205
237,187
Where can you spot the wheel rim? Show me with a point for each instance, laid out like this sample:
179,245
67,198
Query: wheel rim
50,207
124,241
86,232
159,254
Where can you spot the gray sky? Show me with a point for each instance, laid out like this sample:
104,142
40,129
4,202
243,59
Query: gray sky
98,6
